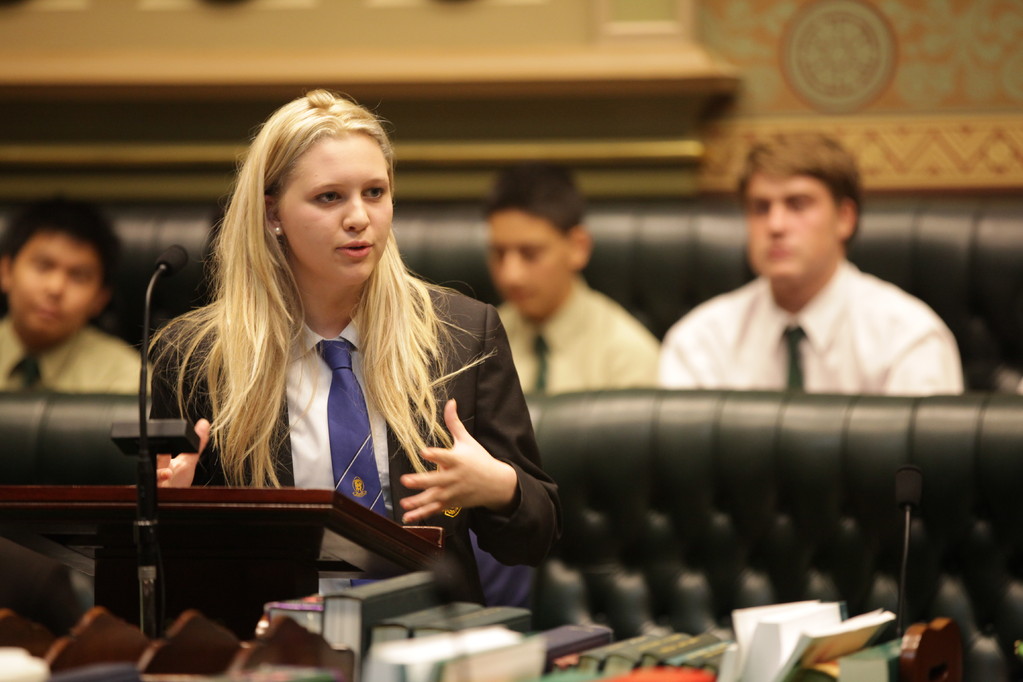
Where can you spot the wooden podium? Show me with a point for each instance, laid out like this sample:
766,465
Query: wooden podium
225,551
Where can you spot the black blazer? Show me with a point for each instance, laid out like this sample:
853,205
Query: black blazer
494,411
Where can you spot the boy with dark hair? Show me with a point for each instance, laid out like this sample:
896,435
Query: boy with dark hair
56,265
564,335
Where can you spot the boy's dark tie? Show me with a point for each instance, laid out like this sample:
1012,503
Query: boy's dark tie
28,368
793,336
542,352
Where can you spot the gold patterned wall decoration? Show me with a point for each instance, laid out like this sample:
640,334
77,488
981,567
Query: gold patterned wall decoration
895,153
838,55
929,93
871,56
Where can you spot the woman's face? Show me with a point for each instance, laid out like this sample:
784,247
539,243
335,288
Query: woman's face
335,214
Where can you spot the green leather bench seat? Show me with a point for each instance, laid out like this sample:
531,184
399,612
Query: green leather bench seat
145,232
682,506
63,439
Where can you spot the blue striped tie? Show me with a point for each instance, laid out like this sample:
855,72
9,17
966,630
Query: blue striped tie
351,443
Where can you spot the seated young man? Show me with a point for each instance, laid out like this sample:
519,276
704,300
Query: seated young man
56,262
564,336
810,320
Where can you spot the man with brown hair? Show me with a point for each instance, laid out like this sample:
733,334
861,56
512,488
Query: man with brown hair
810,320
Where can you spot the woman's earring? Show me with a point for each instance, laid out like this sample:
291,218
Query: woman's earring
277,231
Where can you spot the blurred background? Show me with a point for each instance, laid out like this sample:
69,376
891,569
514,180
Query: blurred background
153,100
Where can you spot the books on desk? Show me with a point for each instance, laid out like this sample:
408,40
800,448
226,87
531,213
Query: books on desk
348,616
663,674
841,639
595,659
458,655
511,617
773,642
565,643
127,672
306,611
878,663
678,649
674,650
767,634
655,674
404,625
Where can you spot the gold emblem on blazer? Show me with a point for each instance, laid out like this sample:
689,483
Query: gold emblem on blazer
358,487
452,512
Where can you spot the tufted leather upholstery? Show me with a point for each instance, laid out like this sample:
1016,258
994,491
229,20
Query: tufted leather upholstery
964,257
682,506
145,232
64,439
659,260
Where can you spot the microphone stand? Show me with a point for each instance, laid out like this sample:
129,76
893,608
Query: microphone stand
146,521
907,521
908,491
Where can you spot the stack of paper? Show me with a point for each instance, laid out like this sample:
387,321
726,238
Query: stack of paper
777,641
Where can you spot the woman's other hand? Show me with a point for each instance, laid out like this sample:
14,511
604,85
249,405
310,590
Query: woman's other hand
466,476
178,472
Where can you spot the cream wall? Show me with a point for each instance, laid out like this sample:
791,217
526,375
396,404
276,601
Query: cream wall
154,99
276,25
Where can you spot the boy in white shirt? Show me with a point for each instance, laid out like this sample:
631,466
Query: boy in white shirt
811,320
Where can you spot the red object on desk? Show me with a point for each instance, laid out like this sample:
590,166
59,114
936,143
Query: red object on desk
665,674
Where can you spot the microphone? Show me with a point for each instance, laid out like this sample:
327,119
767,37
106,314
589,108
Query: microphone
169,262
908,491
172,260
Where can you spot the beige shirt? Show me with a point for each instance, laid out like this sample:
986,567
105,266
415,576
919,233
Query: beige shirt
91,361
863,335
593,343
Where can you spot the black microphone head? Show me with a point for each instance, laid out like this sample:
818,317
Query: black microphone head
909,485
172,259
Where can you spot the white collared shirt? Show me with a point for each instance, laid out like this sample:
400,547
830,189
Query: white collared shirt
863,335
308,387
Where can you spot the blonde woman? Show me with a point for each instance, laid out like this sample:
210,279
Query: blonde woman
305,255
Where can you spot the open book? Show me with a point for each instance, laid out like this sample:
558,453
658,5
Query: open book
776,641
842,639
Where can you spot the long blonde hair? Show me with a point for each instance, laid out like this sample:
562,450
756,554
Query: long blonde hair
241,342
